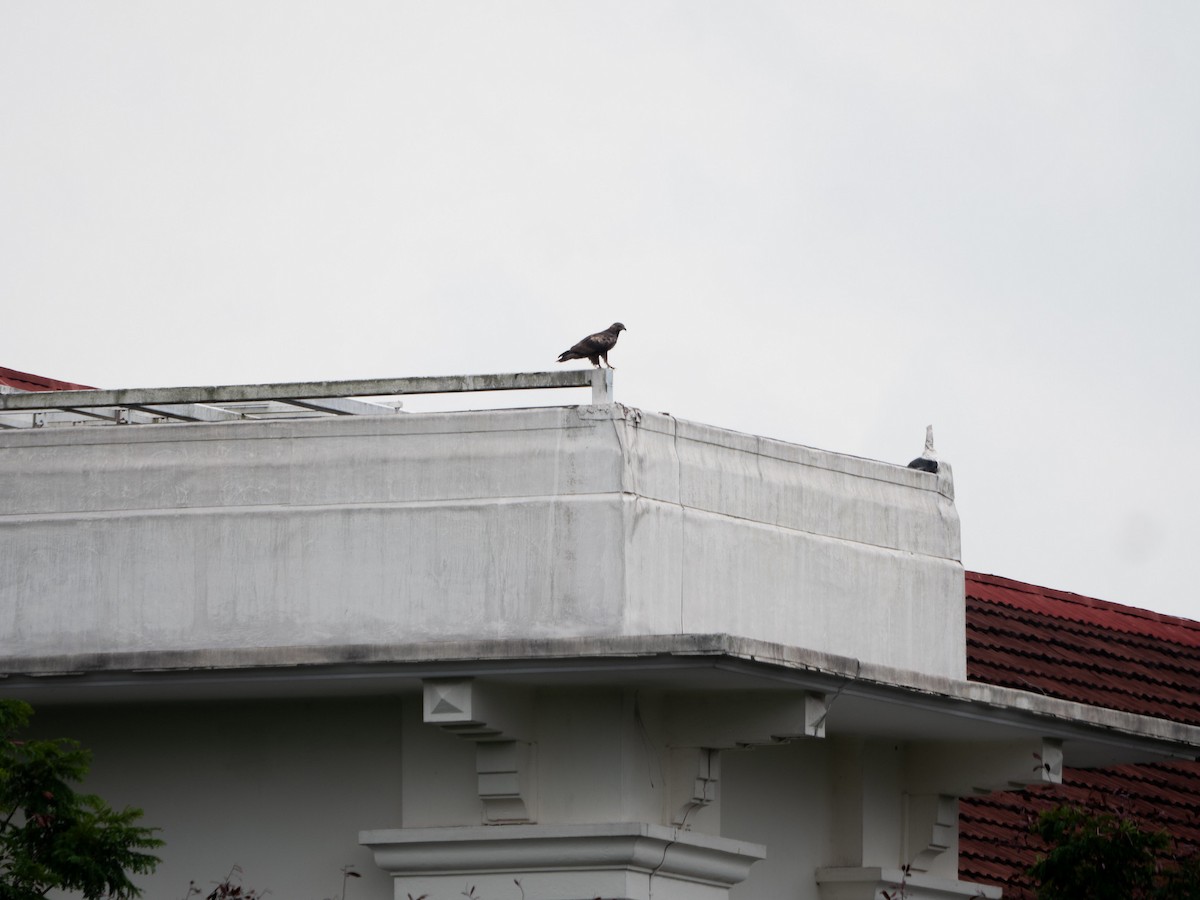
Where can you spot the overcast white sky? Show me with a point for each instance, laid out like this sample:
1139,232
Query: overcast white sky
831,223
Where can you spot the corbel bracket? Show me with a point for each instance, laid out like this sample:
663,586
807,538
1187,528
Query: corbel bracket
962,769
930,826
499,721
743,720
689,795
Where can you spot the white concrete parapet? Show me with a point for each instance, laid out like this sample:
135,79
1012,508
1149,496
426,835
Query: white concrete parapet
555,522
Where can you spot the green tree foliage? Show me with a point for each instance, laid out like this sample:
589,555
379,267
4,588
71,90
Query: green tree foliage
1104,856
52,838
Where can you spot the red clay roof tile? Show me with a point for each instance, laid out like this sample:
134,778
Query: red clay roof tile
24,381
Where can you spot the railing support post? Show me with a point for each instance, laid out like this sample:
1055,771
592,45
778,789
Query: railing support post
602,387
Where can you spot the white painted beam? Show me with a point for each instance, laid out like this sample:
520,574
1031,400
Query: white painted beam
188,412
344,406
370,387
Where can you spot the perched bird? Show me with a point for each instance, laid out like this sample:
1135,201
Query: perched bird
927,461
595,347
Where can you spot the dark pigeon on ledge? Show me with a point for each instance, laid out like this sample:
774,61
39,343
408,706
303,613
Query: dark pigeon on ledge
595,347
927,461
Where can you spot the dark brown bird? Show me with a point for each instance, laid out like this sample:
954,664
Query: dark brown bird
595,347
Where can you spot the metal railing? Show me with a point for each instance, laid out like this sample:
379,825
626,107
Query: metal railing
253,401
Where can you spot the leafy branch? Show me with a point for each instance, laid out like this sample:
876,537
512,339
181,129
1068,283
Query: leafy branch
51,836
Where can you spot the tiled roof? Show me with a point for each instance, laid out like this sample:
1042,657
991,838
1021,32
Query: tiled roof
23,381
1077,648
1091,651
996,847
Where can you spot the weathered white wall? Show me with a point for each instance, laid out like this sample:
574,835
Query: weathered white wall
783,797
516,523
281,788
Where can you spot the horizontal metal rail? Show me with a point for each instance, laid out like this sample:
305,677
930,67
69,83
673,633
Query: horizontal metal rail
599,380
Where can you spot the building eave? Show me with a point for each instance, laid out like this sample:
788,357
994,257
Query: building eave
863,698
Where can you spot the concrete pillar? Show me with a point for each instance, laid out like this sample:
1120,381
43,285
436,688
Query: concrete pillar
895,830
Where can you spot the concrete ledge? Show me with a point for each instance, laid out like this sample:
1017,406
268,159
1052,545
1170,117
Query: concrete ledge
868,883
632,860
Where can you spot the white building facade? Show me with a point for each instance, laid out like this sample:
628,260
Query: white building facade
556,653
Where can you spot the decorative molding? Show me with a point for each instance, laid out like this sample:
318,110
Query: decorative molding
930,828
477,710
701,790
627,860
506,772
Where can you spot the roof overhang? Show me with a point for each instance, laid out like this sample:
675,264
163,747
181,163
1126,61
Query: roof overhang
861,700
